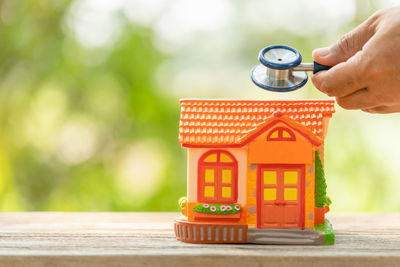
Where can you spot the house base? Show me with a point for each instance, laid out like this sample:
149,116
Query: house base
210,233
192,232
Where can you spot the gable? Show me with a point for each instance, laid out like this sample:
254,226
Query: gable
269,145
278,120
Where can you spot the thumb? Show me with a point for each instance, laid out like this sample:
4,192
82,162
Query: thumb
347,46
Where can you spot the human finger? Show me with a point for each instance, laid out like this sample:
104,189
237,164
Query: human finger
344,78
347,46
383,109
361,99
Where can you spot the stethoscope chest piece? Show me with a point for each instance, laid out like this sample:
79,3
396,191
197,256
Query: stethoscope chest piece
281,69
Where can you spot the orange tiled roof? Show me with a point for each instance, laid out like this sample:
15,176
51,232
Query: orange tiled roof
216,122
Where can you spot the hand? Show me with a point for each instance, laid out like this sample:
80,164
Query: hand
366,65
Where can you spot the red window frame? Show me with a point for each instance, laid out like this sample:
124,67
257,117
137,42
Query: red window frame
280,134
218,167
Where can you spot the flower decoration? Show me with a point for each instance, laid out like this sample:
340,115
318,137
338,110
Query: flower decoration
215,208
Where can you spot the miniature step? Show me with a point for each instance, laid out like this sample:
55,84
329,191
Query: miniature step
285,236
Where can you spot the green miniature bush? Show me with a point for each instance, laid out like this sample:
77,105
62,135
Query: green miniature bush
320,183
218,208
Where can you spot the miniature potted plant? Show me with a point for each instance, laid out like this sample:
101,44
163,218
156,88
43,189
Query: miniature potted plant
322,202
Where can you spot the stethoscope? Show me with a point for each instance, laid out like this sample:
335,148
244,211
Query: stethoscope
281,69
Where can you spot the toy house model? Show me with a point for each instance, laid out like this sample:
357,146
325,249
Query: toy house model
255,171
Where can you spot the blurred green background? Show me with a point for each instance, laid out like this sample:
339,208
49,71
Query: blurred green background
89,94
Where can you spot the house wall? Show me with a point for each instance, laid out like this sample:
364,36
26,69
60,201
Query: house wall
251,194
309,195
321,148
194,154
308,161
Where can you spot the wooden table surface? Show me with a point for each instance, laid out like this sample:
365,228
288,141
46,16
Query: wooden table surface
147,239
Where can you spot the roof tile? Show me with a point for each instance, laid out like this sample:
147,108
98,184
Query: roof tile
214,122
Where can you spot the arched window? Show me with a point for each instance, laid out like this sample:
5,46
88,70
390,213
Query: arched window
281,134
217,177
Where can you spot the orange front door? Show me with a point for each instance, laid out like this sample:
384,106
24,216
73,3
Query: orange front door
280,196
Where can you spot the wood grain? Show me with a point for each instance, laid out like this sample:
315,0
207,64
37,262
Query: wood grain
147,239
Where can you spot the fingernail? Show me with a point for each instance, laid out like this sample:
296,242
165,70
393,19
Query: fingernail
321,52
